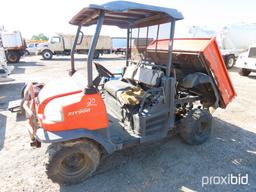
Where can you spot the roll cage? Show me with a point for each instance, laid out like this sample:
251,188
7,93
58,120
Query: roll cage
125,15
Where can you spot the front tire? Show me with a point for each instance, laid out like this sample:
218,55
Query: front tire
72,162
47,54
195,128
244,72
26,53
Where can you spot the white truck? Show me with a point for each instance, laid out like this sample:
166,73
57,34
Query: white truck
31,48
4,69
232,39
247,61
13,44
61,44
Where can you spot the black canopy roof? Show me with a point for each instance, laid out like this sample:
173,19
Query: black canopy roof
126,14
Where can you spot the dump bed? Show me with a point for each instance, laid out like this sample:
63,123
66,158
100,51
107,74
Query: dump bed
196,55
104,42
12,40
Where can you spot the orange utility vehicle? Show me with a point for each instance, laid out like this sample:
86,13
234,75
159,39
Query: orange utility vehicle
168,87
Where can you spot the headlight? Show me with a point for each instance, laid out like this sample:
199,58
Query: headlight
53,112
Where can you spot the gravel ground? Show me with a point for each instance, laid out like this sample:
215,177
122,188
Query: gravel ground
169,165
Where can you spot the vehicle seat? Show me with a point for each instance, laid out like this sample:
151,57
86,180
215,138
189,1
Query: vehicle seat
127,93
148,77
113,87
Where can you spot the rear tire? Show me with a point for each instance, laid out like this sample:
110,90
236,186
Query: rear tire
244,72
96,55
72,162
12,57
47,54
195,129
230,61
67,53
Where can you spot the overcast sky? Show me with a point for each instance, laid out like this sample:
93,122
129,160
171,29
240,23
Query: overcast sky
52,16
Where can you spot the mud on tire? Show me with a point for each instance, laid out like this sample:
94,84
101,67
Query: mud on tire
12,57
195,128
72,162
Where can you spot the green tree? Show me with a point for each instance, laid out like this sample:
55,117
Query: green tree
40,36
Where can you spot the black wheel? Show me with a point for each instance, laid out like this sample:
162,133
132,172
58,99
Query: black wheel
67,53
12,57
72,162
26,53
244,72
47,54
230,61
195,128
96,55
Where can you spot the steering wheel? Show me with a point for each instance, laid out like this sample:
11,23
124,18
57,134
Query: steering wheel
103,72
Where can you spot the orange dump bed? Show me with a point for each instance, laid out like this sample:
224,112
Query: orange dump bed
196,54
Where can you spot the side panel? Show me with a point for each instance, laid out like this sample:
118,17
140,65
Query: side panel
12,39
87,111
104,42
219,70
68,41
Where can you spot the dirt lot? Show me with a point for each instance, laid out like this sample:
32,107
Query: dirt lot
169,165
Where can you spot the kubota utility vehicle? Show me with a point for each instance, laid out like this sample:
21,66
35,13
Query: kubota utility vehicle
167,86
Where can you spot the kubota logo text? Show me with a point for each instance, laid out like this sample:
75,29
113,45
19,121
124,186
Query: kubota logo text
91,102
79,112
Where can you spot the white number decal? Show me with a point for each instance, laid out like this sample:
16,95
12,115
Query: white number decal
91,102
